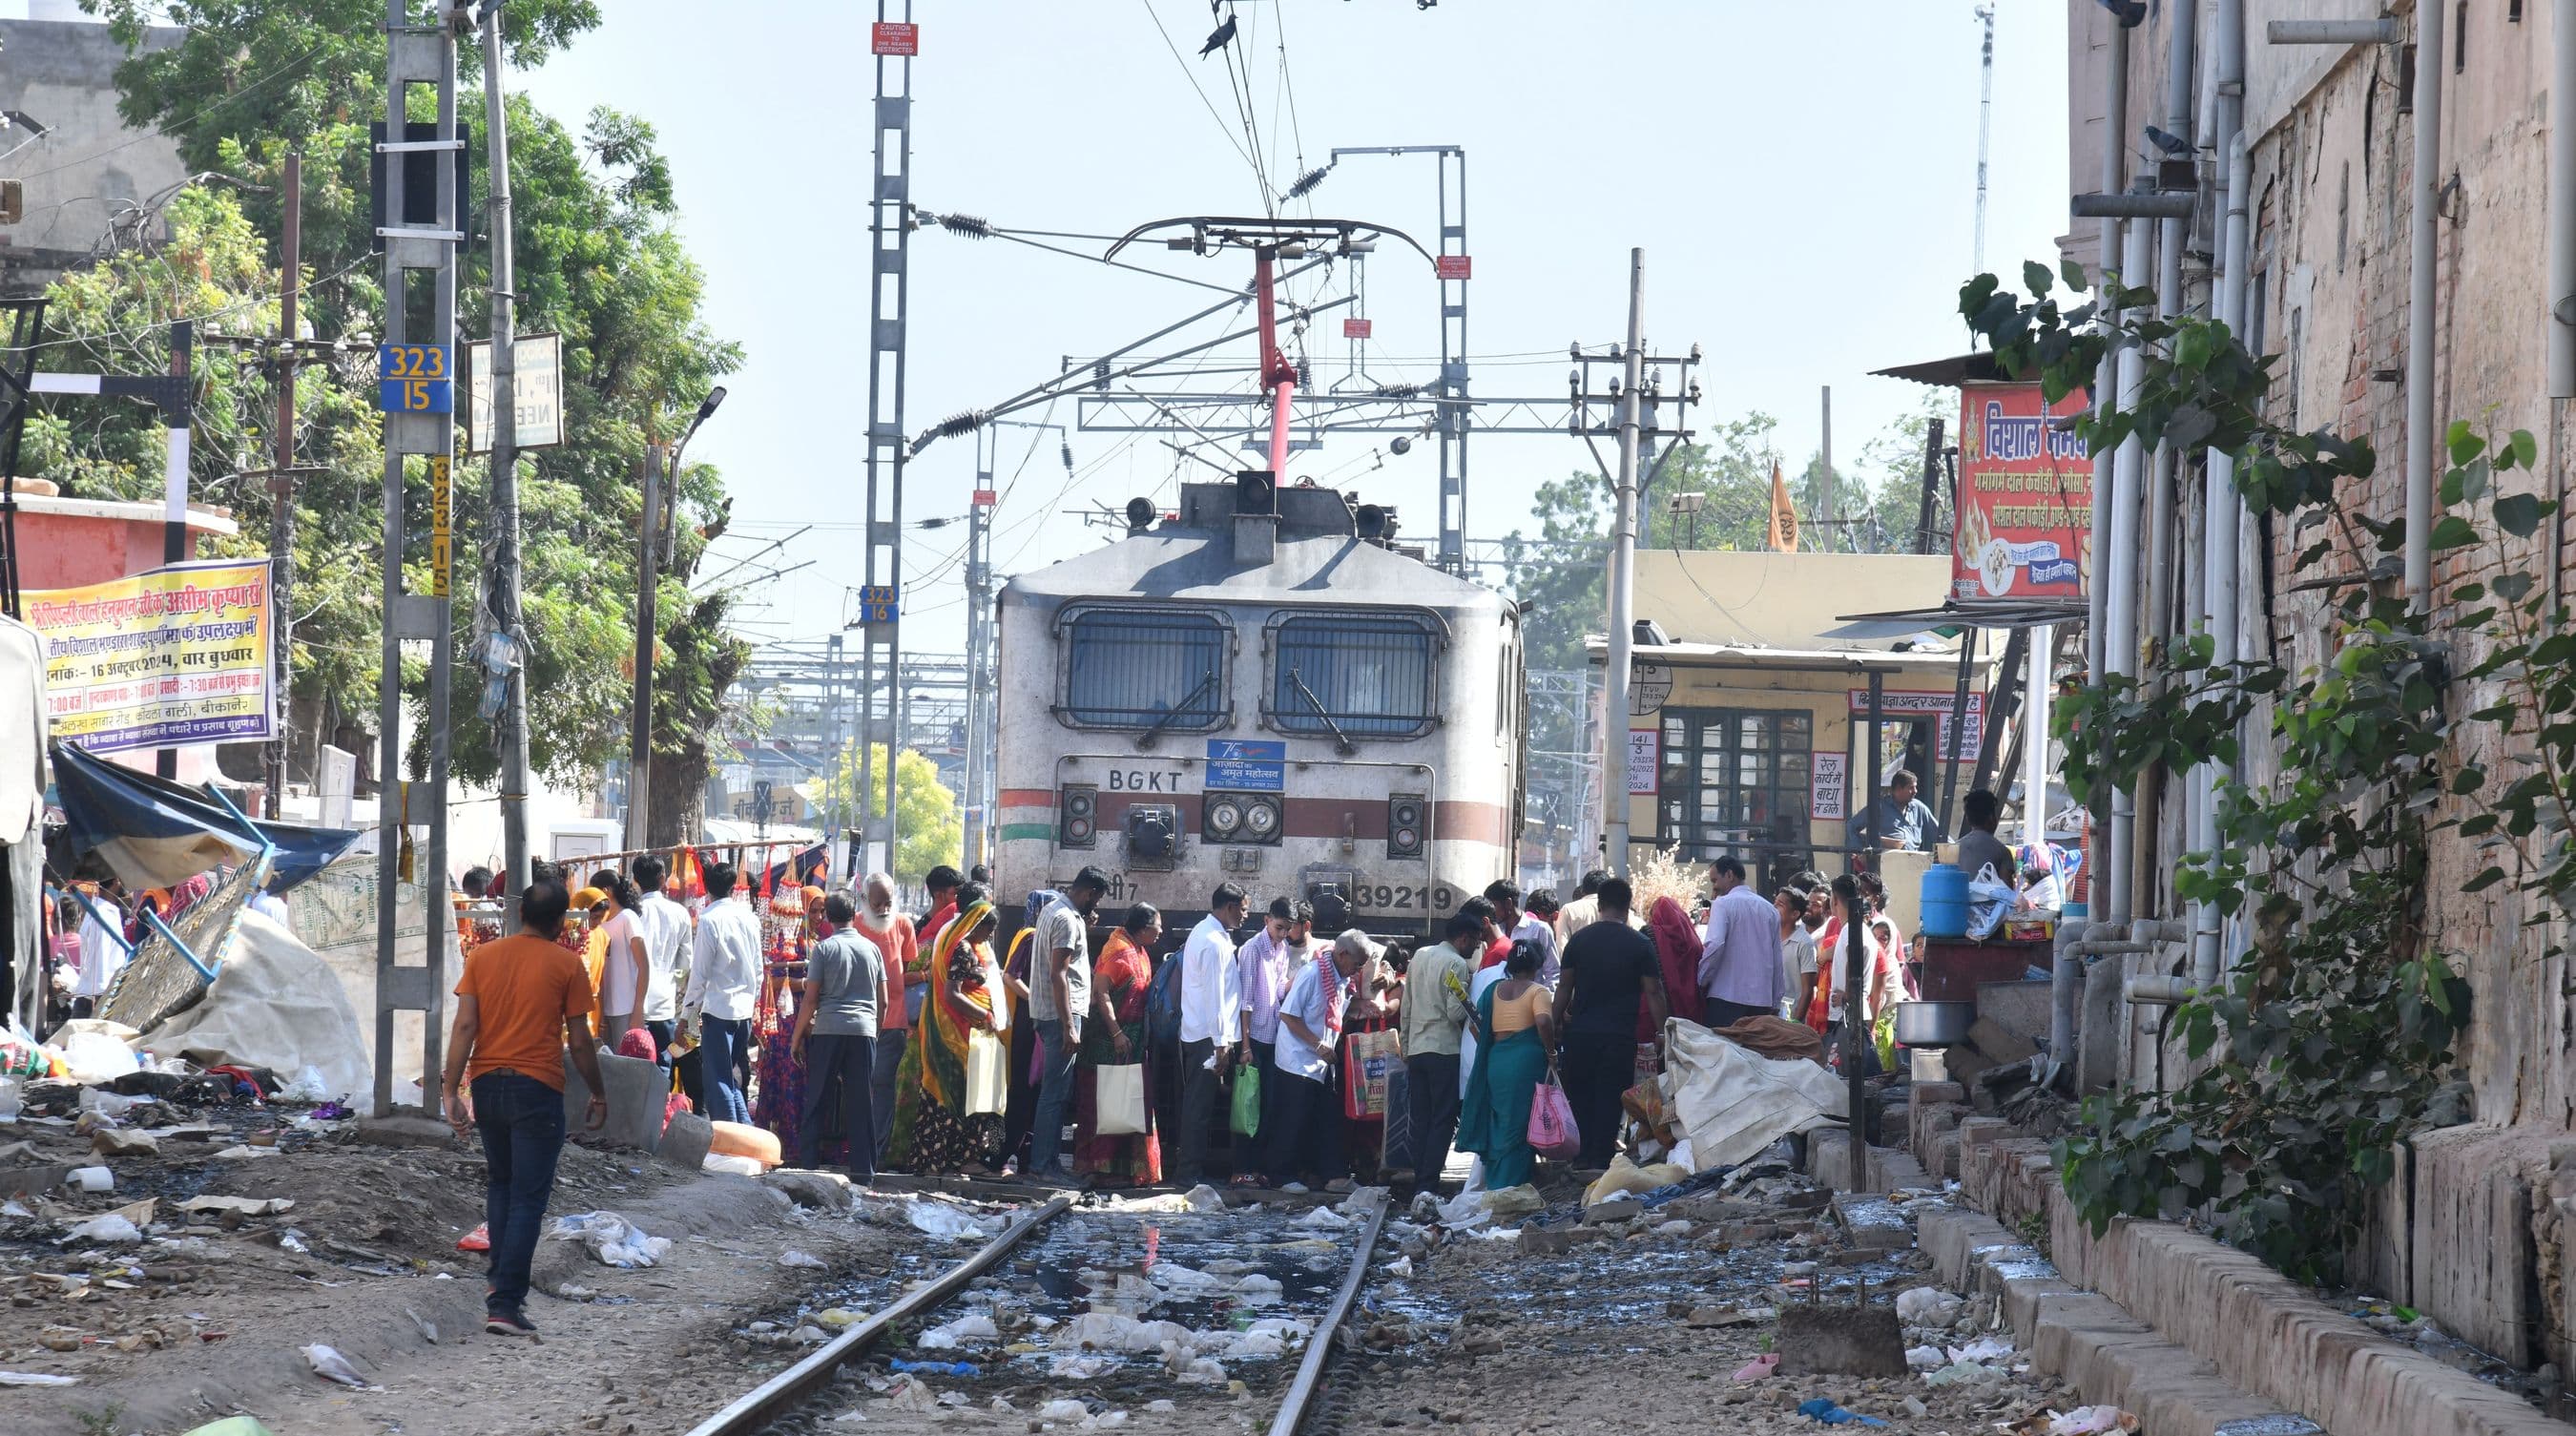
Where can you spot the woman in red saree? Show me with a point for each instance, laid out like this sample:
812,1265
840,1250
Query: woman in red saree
1677,947
1115,1036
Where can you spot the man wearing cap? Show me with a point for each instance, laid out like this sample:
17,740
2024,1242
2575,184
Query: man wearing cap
1304,1136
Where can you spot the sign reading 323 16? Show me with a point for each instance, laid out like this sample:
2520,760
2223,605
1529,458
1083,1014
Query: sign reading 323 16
415,379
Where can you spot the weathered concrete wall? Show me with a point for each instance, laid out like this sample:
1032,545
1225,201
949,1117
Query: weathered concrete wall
90,168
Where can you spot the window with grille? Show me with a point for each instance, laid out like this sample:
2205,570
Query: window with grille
1369,677
1147,668
1736,781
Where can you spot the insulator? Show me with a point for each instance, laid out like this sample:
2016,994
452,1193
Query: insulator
1066,451
958,426
966,226
1398,391
1306,182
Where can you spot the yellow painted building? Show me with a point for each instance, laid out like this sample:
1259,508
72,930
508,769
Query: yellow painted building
1748,722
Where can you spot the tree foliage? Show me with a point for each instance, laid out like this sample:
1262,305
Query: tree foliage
930,827
598,262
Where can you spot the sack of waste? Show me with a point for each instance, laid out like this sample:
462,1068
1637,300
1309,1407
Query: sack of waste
1927,1306
1626,1176
611,1238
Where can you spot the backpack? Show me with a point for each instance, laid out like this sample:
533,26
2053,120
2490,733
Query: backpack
1163,1005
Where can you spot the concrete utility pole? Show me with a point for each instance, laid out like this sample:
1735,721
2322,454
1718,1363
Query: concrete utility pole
503,475
417,393
639,719
1825,514
281,487
894,40
979,673
1623,574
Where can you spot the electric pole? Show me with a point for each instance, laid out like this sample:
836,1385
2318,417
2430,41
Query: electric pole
1623,574
501,600
416,391
894,39
979,677
281,487
639,736
1985,123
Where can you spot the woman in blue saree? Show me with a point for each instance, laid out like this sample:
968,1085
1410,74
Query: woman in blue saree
1515,1040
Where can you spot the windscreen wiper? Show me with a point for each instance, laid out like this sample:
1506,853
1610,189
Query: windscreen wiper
1341,739
1165,721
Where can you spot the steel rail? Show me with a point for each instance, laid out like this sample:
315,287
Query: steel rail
1319,1347
800,1380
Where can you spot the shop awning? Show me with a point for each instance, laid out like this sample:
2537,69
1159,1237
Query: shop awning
2002,613
155,833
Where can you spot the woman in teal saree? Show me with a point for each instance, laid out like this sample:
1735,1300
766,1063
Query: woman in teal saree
1515,1035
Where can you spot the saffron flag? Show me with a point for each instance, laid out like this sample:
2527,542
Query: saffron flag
1784,515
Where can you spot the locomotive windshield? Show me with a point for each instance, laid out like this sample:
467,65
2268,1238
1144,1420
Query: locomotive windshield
1364,677
1158,670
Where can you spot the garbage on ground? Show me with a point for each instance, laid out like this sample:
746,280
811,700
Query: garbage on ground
1928,1306
109,1229
1819,1409
611,1238
1362,1201
1759,1367
92,1179
232,1426
794,1258
1070,1367
911,1393
1513,1201
1966,1373
1626,1178
262,1207
2085,1421
35,1378
477,1240
241,1153
1062,1409
936,1368
1982,1350
974,1326
840,1318
737,1166
946,1219
1730,1104
1204,1198
1323,1219
332,1366
1926,1358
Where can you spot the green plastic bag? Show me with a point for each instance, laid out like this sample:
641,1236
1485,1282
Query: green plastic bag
1247,1102
1883,1037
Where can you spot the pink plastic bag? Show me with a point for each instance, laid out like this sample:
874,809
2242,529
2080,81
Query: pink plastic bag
1551,1124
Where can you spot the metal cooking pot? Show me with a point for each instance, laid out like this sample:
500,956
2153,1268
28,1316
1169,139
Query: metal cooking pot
1934,1024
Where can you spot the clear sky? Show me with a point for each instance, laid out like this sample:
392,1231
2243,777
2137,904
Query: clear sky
1801,177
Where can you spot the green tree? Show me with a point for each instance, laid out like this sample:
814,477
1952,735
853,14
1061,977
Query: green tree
930,826
598,262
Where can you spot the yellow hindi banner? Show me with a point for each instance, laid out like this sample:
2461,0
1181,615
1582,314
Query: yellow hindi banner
174,656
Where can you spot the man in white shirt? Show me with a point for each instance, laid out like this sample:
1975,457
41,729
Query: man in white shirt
103,949
1304,1148
663,926
1211,1025
724,987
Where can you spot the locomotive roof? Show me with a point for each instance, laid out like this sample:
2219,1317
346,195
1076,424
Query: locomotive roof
1196,565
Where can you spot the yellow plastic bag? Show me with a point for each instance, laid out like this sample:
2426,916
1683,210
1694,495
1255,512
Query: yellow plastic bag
1626,1176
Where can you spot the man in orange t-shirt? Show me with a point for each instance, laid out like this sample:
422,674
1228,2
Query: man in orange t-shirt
522,1003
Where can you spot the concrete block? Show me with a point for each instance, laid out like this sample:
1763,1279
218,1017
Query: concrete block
2001,1045
2101,1035
18,1181
2020,1009
1933,1094
638,1093
686,1141
405,1132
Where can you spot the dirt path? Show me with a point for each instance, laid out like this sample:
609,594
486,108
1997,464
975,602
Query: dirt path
639,1351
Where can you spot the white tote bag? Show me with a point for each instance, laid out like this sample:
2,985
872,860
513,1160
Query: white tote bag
1121,1099
988,1074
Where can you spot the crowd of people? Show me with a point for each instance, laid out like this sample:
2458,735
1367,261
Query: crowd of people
872,1039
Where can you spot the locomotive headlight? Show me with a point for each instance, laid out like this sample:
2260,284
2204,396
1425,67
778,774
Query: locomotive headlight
1261,819
1224,817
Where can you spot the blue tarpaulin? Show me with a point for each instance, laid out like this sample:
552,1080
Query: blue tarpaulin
156,833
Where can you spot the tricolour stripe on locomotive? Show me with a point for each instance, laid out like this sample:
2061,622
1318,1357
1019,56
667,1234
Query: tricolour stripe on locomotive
1266,698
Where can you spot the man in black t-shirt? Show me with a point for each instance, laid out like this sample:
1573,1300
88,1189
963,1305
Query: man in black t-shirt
1607,966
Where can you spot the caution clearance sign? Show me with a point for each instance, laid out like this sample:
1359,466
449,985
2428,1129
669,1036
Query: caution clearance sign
174,656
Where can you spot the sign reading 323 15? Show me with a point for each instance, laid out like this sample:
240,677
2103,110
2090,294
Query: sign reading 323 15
415,379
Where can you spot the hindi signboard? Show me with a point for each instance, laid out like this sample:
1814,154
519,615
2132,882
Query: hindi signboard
1957,742
174,656
1645,758
2025,512
1828,787
537,388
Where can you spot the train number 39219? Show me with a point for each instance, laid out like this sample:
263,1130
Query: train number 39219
1381,897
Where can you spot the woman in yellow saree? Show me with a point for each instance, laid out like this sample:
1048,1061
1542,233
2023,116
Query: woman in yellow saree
966,997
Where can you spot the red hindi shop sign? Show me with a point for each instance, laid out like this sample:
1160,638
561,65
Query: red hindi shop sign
894,37
2025,520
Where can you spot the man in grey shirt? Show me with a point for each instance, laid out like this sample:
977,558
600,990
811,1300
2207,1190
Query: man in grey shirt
836,1040
1059,995
1979,848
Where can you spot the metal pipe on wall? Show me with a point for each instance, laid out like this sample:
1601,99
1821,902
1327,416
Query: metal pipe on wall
2562,200
2120,638
2422,263
2221,600
2115,106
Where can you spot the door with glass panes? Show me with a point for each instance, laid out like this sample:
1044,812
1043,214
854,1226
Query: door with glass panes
1734,780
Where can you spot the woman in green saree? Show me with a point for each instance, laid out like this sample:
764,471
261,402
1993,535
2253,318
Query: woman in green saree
1515,1043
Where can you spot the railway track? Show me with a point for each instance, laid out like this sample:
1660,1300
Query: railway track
794,1397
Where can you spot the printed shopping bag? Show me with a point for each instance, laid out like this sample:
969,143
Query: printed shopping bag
1367,1057
1551,1124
